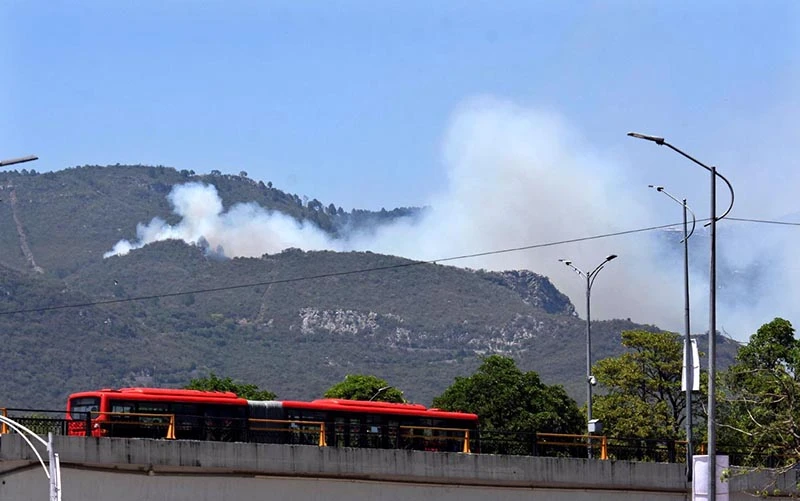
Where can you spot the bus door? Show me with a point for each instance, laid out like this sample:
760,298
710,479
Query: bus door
374,432
188,424
341,432
391,435
225,423
348,431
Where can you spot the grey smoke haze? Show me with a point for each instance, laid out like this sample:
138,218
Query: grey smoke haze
516,177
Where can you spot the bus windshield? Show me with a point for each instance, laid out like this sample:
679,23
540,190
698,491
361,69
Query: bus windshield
79,407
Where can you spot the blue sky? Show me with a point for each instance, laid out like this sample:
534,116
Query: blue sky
511,117
348,101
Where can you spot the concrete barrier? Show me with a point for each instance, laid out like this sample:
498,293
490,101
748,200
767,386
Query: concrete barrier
143,470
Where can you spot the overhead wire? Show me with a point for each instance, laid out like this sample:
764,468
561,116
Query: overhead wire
365,270
762,221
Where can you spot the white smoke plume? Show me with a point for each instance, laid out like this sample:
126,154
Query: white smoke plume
516,177
246,230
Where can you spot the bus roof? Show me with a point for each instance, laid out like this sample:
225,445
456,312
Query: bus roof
342,405
162,394
325,404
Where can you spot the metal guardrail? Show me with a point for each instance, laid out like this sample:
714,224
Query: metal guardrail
414,437
465,448
562,439
295,427
34,419
170,434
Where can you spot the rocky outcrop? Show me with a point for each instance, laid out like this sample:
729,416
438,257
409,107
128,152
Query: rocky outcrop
535,289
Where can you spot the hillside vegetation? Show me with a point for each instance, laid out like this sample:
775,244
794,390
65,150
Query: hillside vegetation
170,312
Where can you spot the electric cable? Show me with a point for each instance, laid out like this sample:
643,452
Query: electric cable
370,270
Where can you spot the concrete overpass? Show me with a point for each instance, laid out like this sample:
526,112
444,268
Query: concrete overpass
149,470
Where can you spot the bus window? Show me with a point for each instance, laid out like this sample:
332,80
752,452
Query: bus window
122,407
153,408
80,407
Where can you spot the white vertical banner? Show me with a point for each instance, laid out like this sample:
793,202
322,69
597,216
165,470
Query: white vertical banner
695,366
700,478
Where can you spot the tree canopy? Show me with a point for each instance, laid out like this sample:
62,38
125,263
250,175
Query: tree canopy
762,413
505,398
643,396
243,390
364,387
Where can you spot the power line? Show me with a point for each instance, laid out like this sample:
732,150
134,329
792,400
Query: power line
762,221
333,274
369,270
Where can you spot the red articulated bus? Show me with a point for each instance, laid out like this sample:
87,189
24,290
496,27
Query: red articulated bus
206,415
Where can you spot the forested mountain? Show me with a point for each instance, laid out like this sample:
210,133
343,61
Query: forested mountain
293,322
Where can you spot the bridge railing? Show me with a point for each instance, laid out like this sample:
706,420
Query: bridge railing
129,421
287,431
436,438
546,442
527,443
38,420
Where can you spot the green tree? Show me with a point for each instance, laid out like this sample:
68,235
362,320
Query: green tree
762,404
363,387
643,396
243,390
505,398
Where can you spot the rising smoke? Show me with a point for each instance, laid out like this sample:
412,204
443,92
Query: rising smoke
245,230
516,177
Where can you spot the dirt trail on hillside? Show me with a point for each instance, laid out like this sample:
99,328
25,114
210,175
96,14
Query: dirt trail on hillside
23,239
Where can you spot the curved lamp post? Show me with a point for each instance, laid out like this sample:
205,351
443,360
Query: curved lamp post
380,390
687,344
712,313
53,473
590,380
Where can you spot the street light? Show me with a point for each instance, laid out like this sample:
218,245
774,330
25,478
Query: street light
590,380
12,161
712,310
687,348
53,469
380,390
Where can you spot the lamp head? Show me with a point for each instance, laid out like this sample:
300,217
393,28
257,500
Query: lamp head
566,261
20,160
610,257
657,188
655,139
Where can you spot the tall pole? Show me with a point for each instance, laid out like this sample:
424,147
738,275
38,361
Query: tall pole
589,378
712,346
712,314
687,350
588,353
